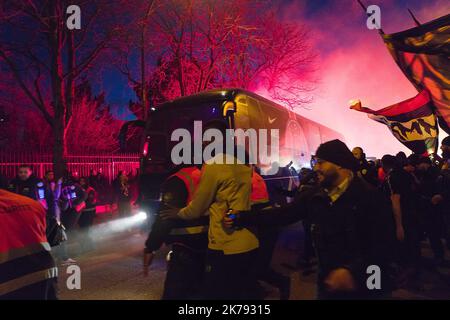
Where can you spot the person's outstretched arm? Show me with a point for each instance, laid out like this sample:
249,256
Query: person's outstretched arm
204,195
274,216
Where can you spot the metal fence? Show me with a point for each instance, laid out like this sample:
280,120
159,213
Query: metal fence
110,164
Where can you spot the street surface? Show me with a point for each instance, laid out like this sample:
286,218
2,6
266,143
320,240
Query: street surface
113,271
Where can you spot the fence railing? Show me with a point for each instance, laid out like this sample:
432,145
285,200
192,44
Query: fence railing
109,164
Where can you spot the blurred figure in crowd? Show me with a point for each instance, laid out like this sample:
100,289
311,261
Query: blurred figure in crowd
28,185
401,158
441,200
98,181
72,202
431,219
365,170
93,178
308,181
399,189
445,148
122,194
55,187
87,215
267,236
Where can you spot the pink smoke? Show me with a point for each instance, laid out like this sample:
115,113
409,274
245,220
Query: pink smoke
355,64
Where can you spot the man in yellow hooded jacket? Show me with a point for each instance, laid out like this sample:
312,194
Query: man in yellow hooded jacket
225,184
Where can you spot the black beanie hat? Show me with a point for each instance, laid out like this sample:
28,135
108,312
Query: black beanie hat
337,152
424,160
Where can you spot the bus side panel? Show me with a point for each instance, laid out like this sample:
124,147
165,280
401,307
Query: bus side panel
293,135
299,137
317,134
312,132
328,134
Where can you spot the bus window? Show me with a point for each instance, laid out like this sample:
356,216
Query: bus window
184,117
241,117
157,145
254,113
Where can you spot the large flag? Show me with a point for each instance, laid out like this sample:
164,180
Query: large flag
422,53
412,122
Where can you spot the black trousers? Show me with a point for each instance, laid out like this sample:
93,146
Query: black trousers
268,237
308,248
408,251
431,221
230,276
185,274
86,219
69,218
445,214
85,222
124,207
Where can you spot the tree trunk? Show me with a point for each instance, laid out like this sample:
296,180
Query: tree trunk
57,85
143,66
180,72
59,148
70,81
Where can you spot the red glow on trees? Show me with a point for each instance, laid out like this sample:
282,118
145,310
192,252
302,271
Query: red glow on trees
200,45
47,60
192,46
92,129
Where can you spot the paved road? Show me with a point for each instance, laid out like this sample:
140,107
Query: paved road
113,271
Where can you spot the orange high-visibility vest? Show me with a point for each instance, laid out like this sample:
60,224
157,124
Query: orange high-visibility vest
259,190
191,178
381,174
25,257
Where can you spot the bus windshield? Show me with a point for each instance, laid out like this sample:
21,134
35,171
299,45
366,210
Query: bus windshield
164,121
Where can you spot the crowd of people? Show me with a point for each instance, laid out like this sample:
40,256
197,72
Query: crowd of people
223,221
419,189
70,202
223,225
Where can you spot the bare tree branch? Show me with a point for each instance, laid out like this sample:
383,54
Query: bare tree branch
36,100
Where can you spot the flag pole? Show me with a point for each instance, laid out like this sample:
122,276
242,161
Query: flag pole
414,18
362,5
